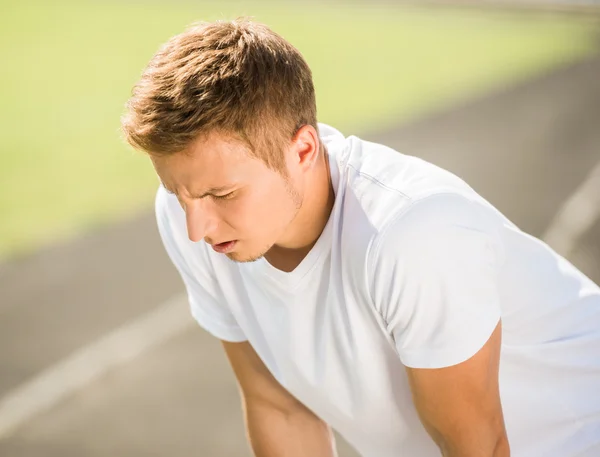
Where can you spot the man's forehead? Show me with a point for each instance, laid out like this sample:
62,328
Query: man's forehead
211,167
198,177
211,155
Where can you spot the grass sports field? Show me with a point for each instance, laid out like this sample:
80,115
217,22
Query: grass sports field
68,67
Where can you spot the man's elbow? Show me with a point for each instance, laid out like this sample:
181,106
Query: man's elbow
474,443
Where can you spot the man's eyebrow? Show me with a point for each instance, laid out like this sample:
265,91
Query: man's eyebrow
209,191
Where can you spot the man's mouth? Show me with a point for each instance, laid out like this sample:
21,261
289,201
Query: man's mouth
224,248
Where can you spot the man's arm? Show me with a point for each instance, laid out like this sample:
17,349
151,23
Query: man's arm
277,424
460,405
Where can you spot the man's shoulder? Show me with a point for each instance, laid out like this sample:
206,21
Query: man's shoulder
410,226
381,183
391,170
438,225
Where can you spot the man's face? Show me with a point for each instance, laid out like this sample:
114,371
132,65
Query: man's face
232,200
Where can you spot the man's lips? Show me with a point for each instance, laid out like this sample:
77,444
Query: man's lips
224,248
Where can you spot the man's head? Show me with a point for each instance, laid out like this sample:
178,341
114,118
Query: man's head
229,108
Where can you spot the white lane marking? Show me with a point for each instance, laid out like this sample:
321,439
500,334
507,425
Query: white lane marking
92,361
577,215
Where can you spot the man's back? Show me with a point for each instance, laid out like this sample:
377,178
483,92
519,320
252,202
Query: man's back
413,269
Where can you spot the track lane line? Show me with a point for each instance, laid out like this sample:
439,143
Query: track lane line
92,361
576,216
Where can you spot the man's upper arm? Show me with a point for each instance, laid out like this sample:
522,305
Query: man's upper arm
460,405
435,283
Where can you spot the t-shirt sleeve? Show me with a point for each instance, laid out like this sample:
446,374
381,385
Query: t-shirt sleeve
206,300
434,280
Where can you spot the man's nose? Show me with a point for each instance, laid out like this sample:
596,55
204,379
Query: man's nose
200,222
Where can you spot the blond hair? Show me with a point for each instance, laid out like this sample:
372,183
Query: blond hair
236,77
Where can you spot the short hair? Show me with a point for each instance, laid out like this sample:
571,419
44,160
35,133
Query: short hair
235,77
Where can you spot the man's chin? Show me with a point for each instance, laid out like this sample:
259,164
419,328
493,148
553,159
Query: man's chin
241,257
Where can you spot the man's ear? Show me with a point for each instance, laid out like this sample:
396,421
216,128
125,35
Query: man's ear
306,144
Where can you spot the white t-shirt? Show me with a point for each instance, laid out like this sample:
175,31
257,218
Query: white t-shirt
413,268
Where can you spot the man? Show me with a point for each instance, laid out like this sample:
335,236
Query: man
355,287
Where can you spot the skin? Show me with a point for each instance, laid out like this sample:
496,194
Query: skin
277,424
228,194
459,405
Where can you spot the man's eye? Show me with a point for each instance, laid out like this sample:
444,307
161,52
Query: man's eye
224,197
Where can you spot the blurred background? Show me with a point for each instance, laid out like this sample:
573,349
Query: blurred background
98,353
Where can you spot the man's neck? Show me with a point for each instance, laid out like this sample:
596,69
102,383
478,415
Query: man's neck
309,222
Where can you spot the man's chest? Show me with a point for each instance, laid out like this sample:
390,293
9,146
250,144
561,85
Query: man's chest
325,344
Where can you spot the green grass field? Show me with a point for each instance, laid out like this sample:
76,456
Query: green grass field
68,67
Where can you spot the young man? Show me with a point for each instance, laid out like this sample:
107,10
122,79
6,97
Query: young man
353,286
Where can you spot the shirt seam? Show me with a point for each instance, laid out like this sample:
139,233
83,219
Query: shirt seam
376,181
